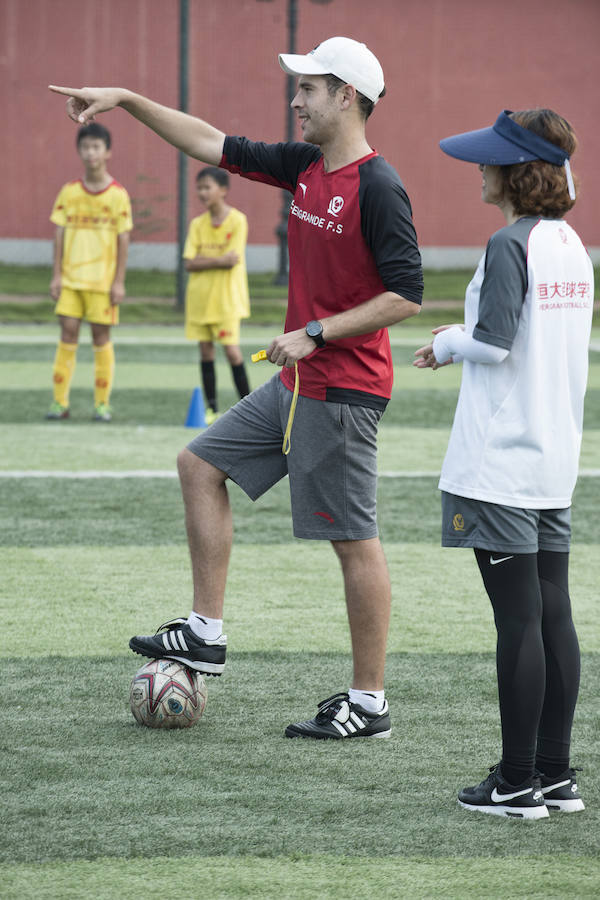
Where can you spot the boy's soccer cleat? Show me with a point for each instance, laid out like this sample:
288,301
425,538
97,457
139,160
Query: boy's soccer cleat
499,798
337,717
57,411
210,415
561,792
102,413
176,640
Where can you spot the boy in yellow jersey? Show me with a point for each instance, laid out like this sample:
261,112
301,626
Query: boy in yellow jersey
93,220
217,292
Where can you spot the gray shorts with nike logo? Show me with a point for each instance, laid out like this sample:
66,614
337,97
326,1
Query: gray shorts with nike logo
503,529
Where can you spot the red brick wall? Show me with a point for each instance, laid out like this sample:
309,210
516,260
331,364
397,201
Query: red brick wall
450,65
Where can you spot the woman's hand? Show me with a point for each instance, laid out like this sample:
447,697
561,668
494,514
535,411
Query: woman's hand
426,357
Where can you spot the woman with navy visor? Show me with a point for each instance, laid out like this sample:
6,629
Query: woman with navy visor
511,464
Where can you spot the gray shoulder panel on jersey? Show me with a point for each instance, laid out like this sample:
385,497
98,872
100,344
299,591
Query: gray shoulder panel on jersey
504,284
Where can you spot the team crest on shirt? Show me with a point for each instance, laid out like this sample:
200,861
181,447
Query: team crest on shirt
335,206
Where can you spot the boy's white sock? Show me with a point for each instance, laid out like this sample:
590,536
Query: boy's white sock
205,628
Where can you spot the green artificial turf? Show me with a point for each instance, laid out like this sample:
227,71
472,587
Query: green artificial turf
88,782
136,587
95,806
307,877
57,511
439,284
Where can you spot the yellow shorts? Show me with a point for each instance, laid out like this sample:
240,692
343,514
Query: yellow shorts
226,332
93,306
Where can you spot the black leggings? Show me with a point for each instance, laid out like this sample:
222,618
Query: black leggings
537,658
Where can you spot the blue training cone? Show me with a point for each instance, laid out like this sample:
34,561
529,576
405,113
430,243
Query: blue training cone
195,414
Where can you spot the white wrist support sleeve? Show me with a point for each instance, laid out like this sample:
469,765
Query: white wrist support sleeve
454,342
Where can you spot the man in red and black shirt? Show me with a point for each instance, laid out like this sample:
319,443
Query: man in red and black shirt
355,269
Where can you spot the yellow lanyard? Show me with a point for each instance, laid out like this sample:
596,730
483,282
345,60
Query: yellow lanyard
287,440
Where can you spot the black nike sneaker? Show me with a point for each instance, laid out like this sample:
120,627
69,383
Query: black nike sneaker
337,717
561,792
176,640
499,798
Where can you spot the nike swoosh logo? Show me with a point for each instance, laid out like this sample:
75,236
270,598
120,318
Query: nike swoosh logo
553,787
501,798
494,562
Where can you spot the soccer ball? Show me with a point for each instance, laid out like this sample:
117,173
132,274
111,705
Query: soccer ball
167,694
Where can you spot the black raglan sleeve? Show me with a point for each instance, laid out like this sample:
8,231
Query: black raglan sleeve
387,227
277,164
504,285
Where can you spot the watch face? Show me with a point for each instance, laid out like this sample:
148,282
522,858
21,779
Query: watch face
314,330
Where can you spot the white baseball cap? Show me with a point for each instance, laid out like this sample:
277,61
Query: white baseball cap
343,57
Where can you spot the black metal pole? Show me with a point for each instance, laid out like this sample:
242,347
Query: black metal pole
182,159
281,231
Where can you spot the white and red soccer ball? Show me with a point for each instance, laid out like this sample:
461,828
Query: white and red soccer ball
166,694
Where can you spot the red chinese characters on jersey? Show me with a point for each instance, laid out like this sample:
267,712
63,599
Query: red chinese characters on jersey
564,295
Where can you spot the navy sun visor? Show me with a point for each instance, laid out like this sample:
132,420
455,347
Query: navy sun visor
504,144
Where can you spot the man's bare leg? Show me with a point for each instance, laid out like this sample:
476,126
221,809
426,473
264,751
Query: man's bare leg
368,600
210,532
209,528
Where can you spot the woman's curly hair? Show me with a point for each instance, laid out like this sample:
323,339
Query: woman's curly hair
539,188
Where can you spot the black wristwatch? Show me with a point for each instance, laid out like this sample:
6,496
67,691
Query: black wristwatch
314,330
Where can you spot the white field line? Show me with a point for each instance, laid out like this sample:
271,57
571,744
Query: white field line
181,341
89,473
171,473
85,339
167,341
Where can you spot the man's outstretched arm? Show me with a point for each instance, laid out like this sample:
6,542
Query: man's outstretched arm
191,135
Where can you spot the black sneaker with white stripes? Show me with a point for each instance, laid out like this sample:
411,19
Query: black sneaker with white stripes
499,798
561,792
176,640
337,717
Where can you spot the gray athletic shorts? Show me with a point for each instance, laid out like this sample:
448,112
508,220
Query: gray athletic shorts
332,465
506,529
